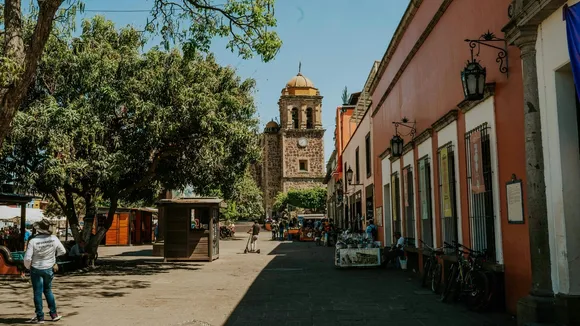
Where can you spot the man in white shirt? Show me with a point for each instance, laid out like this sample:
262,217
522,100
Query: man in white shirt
40,258
397,250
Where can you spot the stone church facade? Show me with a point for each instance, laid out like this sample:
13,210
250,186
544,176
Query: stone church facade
292,150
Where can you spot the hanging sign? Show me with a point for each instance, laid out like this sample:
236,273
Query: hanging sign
445,180
477,182
423,190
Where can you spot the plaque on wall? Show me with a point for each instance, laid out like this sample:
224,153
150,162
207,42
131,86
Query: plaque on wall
515,202
379,216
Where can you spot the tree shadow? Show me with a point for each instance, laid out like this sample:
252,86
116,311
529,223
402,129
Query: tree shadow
302,285
140,253
112,278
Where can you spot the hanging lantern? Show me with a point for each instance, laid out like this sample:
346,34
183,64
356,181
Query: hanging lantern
397,146
349,175
473,80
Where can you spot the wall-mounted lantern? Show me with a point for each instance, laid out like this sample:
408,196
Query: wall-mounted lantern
397,146
473,76
349,174
397,141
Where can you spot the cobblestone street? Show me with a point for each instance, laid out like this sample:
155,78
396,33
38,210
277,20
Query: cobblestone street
287,284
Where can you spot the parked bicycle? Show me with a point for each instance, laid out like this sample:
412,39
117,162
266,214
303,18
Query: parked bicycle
432,268
467,280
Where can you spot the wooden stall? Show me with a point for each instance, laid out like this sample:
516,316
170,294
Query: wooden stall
141,225
191,228
131,226
118,233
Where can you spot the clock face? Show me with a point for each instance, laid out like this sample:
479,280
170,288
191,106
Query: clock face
302,142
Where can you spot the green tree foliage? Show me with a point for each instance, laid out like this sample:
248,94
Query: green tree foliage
246,200
313,199
104,121
247,24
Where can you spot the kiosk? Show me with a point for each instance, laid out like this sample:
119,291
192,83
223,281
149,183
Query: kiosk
191,228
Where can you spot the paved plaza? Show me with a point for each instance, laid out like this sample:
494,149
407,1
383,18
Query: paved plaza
287,284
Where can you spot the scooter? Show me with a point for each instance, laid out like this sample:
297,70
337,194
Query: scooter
247,250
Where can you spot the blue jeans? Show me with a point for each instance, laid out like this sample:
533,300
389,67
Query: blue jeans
42,283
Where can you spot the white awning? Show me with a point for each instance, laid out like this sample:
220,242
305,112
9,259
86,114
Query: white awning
32,214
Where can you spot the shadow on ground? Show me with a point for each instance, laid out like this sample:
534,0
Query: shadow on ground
111,278
301,286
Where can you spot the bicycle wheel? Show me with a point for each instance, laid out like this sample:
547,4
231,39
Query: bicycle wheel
450,285
477,290
426,272
436,277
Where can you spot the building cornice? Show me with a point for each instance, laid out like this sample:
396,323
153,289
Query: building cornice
466,105
422,137
442,8
445,120
385,153
408,16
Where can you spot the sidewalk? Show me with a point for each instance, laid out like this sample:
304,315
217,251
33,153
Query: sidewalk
293,284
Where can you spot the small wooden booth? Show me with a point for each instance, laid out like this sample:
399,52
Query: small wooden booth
191,228
131,226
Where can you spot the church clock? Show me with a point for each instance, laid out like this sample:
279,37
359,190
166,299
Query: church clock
302,142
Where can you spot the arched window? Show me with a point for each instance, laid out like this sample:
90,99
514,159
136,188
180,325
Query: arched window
309,124
295,122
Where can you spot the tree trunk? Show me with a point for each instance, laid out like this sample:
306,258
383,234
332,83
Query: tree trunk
95,240
26,59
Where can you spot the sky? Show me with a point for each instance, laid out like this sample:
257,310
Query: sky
336,41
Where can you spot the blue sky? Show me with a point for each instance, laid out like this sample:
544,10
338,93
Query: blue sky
336,41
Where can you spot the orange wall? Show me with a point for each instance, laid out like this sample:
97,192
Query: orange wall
430,86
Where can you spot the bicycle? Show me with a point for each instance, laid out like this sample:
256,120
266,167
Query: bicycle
432,269
467,279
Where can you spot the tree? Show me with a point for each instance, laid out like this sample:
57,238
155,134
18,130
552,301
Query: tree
194,23
345,96
104,121
313,199
247,199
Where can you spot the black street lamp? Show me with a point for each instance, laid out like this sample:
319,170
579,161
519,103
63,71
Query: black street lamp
473,75
349,174
473,80
397,146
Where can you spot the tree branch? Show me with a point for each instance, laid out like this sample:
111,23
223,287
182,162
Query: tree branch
14,46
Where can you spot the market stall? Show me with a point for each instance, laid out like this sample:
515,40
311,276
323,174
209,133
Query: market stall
357,250
307,225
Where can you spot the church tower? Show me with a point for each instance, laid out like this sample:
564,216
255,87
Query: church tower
293,151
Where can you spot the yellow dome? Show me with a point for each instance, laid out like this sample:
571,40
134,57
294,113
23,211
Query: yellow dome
300,81
272,124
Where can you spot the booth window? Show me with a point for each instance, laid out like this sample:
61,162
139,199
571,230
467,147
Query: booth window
199,219
447,197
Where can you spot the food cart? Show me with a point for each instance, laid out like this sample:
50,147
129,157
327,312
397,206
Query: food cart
307,222
356,250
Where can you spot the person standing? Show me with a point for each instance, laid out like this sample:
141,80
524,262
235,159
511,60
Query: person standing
255,230
372,231
40,258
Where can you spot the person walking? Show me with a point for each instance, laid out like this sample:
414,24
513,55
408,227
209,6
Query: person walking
40,258
255,230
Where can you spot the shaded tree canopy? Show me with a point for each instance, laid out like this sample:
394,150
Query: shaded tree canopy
193,23
105,121
313,199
